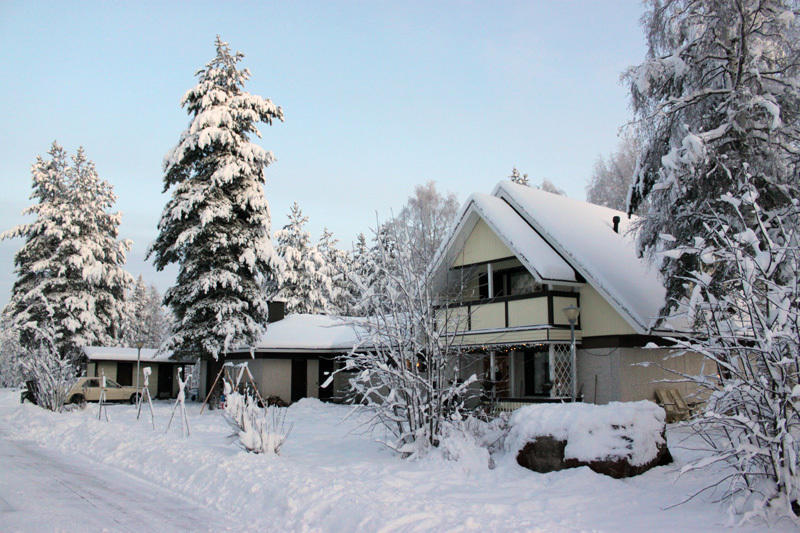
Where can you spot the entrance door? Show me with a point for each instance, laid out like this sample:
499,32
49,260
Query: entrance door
536,366
299,379
325,371
164,381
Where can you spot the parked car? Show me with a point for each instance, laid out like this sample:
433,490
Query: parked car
88,390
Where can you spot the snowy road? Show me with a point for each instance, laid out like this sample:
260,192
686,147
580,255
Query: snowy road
43,490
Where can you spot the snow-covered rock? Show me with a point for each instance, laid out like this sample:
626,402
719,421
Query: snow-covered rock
619,439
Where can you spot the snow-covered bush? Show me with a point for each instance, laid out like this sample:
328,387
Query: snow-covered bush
53,377
751,334
259,430
405,366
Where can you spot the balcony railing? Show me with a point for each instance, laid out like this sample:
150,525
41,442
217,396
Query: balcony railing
516,312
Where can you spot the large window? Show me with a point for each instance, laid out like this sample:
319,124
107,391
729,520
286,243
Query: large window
513,282
509,278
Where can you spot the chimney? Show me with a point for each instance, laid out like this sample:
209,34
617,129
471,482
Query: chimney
615,220
277,310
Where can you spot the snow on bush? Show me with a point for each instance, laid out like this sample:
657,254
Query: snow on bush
618,430
259,430
53,376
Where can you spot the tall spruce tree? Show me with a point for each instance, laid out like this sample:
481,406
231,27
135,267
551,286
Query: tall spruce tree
216,225
337,269
71,284
305,283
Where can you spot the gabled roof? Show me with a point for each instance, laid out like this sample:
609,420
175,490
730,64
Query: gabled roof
117,353
560,239
583,234
532,251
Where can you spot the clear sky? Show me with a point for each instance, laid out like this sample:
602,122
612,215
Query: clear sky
378,97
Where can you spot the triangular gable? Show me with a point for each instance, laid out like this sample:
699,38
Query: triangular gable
544,263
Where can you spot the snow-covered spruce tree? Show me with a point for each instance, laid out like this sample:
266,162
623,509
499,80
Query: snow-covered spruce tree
359,271
718,101
337,265
306,284
216,225
405,366
518,177
612,176
71,282
147,321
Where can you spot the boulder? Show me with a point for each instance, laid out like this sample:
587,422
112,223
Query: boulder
620,439
546,454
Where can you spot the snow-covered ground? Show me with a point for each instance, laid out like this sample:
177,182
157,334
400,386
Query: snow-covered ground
332,475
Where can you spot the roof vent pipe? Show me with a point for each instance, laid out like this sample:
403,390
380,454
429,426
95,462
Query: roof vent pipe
615,220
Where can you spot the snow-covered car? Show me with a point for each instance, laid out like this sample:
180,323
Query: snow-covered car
88,390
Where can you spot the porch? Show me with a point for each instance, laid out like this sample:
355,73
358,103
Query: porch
513,376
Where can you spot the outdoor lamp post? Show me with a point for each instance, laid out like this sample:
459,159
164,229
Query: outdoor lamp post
572,312
139,345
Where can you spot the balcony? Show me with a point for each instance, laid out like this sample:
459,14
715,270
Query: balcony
514,319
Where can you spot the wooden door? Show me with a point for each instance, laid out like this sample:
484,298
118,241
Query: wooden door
299,379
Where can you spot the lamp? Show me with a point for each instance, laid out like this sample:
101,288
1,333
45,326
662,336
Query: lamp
572,312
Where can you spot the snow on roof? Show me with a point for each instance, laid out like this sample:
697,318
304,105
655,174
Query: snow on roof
309,333
516,234
116,353
583,234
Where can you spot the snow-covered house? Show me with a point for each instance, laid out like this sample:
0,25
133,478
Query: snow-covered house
521,256
119,364
295,356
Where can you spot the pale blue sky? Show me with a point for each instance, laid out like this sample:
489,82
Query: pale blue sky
378,97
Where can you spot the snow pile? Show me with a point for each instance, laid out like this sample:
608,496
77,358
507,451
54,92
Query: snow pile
618,430
333,474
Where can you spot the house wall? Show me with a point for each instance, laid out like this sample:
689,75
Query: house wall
273,377
598,317
639,382
620,377
107,369
598,375
481,245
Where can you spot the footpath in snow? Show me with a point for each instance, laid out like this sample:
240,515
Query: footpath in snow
333,475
